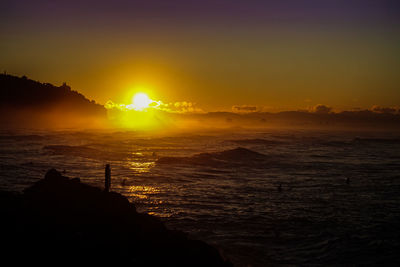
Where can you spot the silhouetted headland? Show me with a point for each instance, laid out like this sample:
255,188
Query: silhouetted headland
25,102
59,220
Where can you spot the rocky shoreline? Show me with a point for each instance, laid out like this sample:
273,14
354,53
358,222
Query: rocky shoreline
60,220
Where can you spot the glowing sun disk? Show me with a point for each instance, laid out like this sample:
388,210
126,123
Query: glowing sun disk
141,101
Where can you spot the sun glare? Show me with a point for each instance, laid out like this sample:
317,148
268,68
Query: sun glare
141,101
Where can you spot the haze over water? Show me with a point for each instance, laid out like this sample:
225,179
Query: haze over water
269,129
230,197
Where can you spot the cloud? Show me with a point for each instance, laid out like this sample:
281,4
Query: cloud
244,109
385,110
174,107
321,109
180,107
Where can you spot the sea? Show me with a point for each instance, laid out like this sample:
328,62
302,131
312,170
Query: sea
262,197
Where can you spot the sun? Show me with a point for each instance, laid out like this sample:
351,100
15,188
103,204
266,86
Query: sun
141,101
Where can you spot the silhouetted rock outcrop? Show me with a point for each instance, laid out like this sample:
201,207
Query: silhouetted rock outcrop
61,220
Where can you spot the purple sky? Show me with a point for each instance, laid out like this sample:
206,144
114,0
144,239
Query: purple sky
385,12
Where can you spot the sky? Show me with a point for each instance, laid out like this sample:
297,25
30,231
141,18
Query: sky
278,55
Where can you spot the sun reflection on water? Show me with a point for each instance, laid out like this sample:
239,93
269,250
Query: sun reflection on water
140,167
137,154
143,192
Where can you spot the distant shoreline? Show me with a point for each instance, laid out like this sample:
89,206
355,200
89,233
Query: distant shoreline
25,103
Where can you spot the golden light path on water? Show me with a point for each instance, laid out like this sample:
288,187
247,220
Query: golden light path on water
143,191
140,167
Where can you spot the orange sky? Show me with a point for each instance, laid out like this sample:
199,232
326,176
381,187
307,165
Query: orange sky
217,61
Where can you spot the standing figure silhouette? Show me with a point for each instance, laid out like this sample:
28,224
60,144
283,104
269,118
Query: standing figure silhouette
107,182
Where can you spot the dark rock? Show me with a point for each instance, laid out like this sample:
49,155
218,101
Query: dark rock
53,174
58,220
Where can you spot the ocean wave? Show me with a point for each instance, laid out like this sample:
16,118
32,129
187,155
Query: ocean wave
30,137
238,155
257,141
388,141
85,152
335,143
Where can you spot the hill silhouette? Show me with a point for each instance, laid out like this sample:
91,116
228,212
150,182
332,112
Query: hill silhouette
25,102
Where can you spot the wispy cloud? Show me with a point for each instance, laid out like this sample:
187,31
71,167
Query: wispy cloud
386,110
180,107
321,109
244,109
173,107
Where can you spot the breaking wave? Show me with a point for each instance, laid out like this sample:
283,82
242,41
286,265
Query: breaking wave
238,155
85,152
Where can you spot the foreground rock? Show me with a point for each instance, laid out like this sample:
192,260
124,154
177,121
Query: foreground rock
61,220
